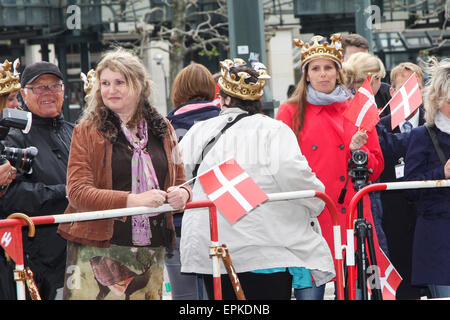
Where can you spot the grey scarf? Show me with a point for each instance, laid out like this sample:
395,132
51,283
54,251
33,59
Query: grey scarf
339,94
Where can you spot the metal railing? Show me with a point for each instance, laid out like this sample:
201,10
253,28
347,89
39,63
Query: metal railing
11,232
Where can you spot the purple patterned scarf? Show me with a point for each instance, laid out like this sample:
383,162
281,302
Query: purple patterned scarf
143,178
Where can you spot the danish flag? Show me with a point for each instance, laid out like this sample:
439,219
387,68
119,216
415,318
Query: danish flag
407,99
11,241
231,189
363,111
391,279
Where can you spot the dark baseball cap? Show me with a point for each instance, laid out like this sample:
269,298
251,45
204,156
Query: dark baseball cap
35,70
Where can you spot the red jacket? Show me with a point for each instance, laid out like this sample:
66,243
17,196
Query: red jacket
324,140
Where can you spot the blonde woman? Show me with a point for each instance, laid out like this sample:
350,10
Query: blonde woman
431,247
399,213
358,67
123,154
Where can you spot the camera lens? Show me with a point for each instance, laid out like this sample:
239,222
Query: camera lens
359,157
21,158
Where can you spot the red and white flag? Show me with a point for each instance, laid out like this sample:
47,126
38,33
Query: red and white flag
407,99
391,280
363,111
11,241
231,189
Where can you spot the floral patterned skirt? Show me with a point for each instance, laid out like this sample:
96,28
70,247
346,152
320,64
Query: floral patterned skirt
114,273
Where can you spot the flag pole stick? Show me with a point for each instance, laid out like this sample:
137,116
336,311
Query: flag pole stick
200,174
381,111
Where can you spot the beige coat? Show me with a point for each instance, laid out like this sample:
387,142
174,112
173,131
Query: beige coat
274,234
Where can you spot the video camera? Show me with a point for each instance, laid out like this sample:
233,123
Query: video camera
19,158
357,166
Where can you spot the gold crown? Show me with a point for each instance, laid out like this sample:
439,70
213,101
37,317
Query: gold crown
88,81
239,88
317,50
9,82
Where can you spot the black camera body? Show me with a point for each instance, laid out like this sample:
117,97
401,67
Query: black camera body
19,158
358,169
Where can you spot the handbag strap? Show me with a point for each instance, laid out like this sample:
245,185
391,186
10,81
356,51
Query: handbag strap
436,143
211,142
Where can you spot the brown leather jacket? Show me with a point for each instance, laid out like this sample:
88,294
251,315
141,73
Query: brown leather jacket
89,184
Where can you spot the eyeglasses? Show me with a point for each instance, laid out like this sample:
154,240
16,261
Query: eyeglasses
54,88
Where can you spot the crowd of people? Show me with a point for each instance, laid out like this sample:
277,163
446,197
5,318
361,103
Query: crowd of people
123,153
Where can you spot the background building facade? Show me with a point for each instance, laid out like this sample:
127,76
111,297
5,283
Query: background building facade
74,33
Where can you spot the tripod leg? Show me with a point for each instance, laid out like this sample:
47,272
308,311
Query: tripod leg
376,289
361,234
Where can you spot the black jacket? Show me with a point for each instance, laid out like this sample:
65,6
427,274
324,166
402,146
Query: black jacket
182,121
42,192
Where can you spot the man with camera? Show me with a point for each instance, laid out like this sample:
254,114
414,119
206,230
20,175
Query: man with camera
41,191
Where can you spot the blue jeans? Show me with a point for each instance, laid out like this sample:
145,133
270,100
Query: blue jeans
439,291
311,293
185,286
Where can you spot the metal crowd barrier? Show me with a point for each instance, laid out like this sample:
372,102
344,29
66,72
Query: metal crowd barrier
11,232
350,258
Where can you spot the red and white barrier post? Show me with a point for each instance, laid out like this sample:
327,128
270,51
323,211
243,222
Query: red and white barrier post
214,243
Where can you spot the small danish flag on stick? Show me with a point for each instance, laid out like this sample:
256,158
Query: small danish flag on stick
363,111
407,99
231,189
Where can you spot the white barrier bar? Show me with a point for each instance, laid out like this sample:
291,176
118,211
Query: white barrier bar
114,213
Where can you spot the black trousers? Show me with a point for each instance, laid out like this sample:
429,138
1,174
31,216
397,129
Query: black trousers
7,283
256,286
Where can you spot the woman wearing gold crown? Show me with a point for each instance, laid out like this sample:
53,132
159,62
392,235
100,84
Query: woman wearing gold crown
315,113
9,89
9,85
275,243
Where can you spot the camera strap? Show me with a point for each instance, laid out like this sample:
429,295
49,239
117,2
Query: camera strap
211,142
436,145
344,190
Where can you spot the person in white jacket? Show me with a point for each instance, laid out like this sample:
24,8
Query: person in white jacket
277,245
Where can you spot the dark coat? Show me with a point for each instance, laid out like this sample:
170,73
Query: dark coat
431,247
43,192
382,98
399,213
183,117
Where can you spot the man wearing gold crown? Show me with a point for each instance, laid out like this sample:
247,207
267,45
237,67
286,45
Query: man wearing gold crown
275,243
315,113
